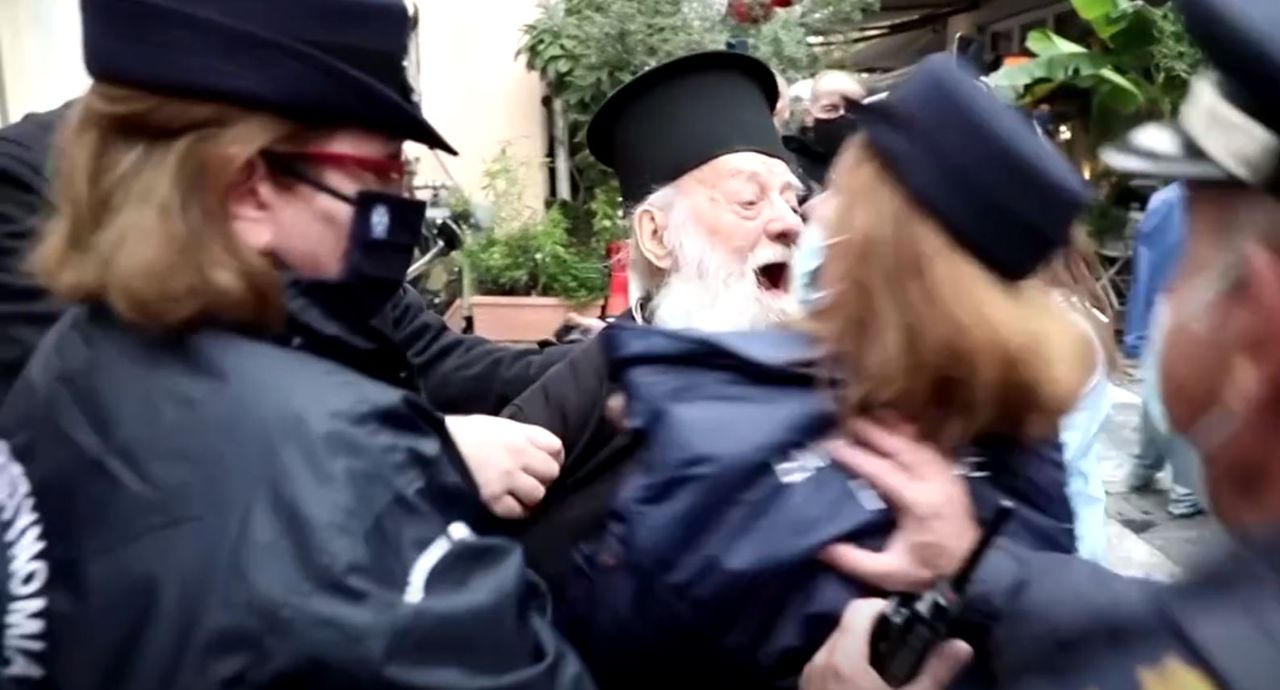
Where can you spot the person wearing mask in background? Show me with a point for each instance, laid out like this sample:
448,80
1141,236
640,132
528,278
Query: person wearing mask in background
828,121
1060,623
714,220
706,573
404,344
192,504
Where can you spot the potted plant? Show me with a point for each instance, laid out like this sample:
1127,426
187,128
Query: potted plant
528,271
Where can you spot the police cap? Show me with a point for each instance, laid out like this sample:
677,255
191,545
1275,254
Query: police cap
329,62
1228,128
1003,193
682,114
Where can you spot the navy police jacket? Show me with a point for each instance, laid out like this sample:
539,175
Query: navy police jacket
1062,623
706,572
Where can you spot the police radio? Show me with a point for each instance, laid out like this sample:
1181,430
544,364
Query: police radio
912,625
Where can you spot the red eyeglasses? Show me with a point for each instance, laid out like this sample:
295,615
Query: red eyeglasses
391,170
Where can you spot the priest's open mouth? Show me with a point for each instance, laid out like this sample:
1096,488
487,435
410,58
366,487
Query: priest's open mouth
774,276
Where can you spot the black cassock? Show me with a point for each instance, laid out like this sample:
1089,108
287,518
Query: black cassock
569,401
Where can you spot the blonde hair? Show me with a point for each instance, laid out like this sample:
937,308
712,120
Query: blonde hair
140,217
916,327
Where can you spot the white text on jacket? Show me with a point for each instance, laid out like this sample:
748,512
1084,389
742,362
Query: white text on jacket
24,618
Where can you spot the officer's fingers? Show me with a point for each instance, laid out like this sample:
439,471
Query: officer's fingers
527,490
884,569
858,618
883,474
841,662
540,466
507,507
546,442
945,662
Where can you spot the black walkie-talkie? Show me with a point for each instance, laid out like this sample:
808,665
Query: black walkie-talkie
913,624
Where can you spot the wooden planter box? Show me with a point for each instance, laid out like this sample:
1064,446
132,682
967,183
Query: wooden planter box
517,319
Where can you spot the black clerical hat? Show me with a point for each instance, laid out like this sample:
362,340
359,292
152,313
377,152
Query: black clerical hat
681,114
334,63
1000,190
1228,128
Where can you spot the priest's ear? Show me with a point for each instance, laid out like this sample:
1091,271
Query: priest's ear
649,227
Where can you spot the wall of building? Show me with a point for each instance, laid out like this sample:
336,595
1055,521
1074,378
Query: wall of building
479,94
41,58
473,87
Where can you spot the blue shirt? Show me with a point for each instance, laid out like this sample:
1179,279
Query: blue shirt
1160,238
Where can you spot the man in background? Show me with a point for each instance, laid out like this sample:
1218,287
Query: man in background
827,123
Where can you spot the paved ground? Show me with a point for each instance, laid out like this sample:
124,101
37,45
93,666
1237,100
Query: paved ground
1142,538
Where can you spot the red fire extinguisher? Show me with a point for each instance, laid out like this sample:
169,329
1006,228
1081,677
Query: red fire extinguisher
619,301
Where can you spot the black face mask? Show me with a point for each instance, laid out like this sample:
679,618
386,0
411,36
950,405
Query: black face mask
385,229
827,136
384,233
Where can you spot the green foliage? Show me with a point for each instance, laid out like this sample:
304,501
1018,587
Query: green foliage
1175,58
1136,68
605,209
525,252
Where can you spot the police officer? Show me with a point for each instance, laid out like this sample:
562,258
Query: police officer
187,504
402,343
1062,623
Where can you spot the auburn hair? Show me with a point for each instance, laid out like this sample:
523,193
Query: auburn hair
915,326
139,217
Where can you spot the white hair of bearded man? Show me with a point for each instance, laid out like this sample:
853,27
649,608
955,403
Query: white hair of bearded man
706,289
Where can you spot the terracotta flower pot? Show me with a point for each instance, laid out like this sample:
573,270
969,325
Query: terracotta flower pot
518,319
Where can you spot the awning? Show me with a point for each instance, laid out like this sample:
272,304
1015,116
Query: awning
895,36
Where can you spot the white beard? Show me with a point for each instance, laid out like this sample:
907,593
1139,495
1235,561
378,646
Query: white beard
709,291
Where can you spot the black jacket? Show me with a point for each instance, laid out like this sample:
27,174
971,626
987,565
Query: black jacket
213,510
26,311
570,402
1062,622
409,346
811,164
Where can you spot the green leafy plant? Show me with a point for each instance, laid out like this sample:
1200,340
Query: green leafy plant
1136,66
527,252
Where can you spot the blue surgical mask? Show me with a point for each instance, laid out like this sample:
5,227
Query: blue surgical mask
806,262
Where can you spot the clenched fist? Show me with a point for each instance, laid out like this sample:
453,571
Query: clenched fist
512,463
